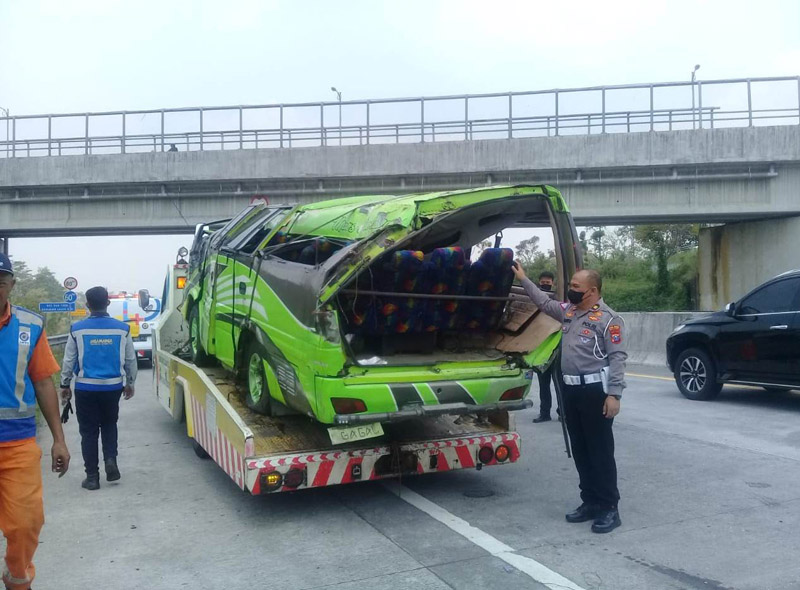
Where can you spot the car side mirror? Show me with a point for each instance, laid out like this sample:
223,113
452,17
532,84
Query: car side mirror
730,309
144,299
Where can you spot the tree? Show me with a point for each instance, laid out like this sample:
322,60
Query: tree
662,242
527,250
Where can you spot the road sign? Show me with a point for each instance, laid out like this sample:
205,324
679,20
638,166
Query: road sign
79,313
70,297
56,307
70,283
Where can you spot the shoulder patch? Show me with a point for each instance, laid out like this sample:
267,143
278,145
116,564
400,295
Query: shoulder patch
615,330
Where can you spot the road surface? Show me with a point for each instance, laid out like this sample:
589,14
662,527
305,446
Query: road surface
710,500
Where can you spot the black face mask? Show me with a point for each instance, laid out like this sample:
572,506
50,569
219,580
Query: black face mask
547,288
575,297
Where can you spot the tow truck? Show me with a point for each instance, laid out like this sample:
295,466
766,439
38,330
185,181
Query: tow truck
286,450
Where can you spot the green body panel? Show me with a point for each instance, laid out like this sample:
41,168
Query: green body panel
383,396
360,217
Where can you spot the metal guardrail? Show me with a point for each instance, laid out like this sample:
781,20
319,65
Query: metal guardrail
59,340
640,107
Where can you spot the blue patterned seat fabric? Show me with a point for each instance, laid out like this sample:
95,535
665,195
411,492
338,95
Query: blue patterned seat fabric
447,272
490,276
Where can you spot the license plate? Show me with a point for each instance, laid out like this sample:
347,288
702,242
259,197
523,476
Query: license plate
345,434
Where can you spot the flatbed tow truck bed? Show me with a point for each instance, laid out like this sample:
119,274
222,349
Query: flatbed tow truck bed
264,454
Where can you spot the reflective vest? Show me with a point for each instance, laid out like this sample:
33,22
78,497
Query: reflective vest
17,397
101,344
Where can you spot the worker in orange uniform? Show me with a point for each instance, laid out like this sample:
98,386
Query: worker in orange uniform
26,369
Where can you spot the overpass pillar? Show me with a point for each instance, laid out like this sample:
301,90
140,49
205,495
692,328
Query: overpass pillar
736,257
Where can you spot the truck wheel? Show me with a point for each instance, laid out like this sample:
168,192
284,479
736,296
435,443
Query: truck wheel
258,398
199,356
199,451
696,375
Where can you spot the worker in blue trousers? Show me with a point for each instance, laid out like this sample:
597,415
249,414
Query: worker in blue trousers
100,357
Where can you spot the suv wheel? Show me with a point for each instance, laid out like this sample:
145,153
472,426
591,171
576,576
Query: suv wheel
199,355
696,375
258,398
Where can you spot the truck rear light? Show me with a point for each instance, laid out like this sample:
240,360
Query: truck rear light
180,282
501,453
486,454
511,394
272,481
294,478
348,405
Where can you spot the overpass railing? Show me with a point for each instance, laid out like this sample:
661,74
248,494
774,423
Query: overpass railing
539,113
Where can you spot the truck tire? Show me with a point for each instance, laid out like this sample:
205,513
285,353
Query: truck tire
199,451
696,375
199,356
257,398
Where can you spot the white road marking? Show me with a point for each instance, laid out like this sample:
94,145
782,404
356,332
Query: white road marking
527,565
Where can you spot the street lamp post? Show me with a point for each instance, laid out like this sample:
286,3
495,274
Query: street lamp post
694,77
339,98
7,116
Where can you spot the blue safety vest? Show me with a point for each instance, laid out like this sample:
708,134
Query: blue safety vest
101,344
17,397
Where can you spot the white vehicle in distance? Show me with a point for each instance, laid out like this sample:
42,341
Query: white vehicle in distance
141,312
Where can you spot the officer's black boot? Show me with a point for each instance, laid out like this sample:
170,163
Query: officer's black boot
112,471
582,513
606,521
541,418
92,481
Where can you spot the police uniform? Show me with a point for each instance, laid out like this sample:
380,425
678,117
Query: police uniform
593,355
101,357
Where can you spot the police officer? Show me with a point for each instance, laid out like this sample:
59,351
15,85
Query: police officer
99,354
593,344
26,369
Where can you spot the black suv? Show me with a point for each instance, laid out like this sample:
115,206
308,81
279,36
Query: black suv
755,341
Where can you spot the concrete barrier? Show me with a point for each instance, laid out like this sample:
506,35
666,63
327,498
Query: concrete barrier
647,334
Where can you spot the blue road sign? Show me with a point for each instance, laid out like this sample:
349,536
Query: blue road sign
56,307
70,296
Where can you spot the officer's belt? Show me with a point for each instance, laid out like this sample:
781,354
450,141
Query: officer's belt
582,379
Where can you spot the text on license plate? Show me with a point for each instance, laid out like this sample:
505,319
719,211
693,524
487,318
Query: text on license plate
345,434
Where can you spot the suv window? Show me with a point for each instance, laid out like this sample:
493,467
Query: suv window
774,298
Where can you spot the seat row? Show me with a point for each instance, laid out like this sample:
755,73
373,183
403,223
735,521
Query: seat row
446,271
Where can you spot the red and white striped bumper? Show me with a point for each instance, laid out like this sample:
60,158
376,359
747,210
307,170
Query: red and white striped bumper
339,467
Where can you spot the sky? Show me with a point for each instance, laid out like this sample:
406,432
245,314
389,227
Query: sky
101,55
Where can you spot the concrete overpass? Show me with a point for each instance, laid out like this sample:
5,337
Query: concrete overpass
710,175
714,164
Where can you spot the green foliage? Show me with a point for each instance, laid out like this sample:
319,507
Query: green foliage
527,250
33,288
644,268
